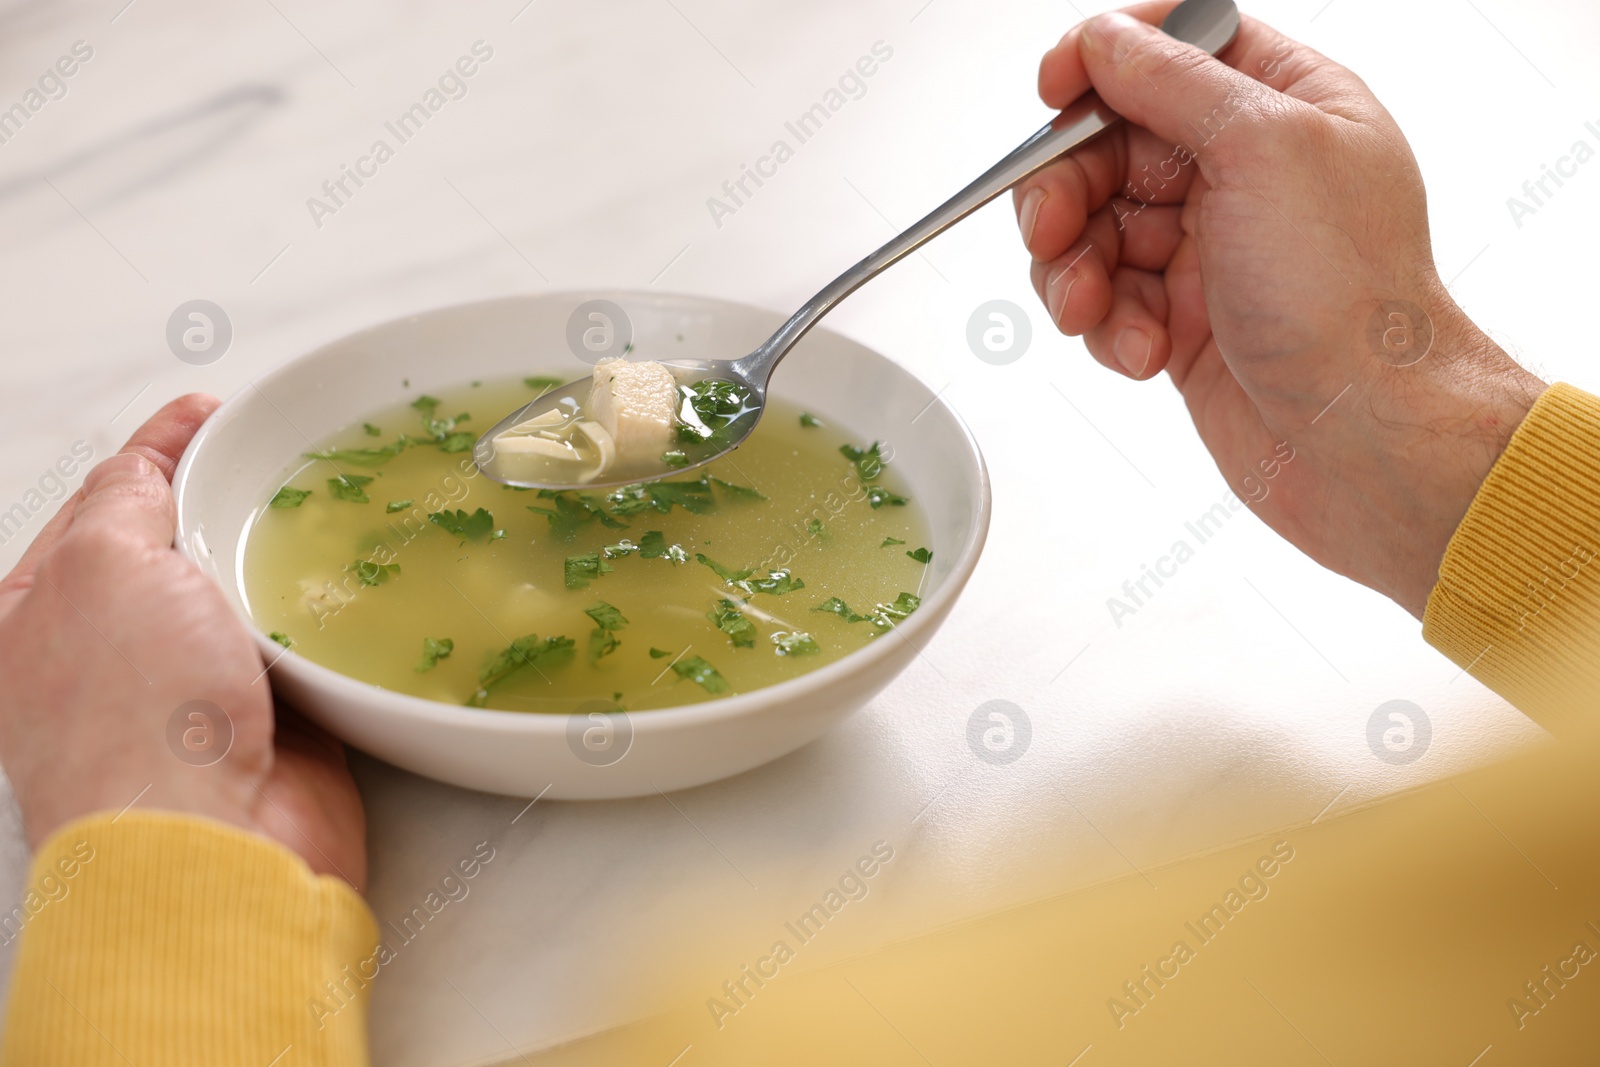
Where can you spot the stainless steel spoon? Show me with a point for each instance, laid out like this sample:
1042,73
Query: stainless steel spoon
1207,24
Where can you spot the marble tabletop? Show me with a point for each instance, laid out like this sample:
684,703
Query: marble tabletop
196,151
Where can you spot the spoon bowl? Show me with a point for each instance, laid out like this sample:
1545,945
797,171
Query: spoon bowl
555,416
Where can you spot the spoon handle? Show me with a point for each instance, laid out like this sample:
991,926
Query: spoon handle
1085,119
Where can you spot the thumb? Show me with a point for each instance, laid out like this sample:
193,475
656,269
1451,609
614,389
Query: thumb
127,496
1181,93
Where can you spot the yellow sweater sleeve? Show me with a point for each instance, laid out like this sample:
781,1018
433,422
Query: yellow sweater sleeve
159,938
1518,598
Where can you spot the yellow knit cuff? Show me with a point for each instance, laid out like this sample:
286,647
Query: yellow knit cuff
159,938
1518,597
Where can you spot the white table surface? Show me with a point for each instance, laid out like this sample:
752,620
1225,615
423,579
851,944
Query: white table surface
1236,702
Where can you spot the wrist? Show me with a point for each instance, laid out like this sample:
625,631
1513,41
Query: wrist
1462,404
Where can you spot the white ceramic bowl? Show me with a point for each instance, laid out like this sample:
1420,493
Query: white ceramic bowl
238,457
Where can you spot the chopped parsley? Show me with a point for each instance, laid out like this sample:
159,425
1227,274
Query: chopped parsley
474,527
606,617
711,406
732,577
372,431
397,505
815,527
623,547
878,496
362,457
426,404
727,618
887,541
882,616
372,573
699,671
579,571
457,442
675,458
543,385
692,496
572,512
838,607
921,555
282,638
434,649
869,461
603,640
795,643
739,490
349,487
776,582
653,545
809,421
528,651
289,497
659,653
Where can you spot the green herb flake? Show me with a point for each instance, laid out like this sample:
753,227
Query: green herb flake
361,457
602,643
889,541
732,577
474,527
282,638
579,571
397,505
675,458
434,649
426,404
349,487
702,673
372,431
869,462
653,545
659,653
838,607
606,617
776,583
692,496
921,555
543,385
809,421
528,651
372,573
878,496
289,497
795,643
457,442
727,618
815,527
739,490
571,512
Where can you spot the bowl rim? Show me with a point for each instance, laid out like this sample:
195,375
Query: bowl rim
348,690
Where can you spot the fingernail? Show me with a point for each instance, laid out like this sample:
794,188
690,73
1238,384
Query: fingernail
1114,33
1055,293
1028,217
1133,350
